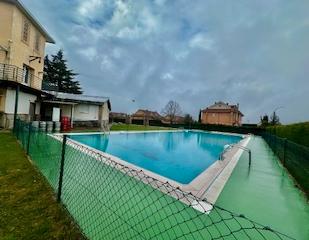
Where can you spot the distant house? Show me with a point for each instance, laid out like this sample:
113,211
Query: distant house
117,117
176,120
222,114
146,117
82,110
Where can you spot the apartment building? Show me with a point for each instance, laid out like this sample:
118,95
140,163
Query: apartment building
22,50
222,113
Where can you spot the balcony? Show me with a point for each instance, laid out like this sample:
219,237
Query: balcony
23,76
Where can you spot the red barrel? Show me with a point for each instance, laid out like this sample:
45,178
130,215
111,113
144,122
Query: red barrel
65,124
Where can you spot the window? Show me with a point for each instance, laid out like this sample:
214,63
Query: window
26,74
26,31
37,42
83,108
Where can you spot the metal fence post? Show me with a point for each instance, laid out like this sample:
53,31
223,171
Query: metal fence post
61,168
284,150
16,105
17,128
275,145
29,138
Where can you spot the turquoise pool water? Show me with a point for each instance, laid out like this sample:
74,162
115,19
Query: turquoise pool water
180,156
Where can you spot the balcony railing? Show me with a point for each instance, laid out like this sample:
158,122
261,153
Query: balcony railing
15,74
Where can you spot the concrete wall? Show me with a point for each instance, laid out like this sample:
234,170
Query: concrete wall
65,110
105,112
6,19
11,26
24,100
7,106
2,99
37,108
84,115
21,50
7,120
221,118
86,112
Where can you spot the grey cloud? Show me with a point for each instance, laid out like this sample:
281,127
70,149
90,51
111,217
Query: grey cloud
251,52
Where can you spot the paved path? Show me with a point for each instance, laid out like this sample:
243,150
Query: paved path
266,193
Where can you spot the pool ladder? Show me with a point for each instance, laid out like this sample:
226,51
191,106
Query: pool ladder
106,128
237,146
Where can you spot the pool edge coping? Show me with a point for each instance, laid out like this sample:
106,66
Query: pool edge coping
152,131
205,185
214,190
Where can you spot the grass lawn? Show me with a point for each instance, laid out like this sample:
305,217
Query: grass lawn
28,209
121,127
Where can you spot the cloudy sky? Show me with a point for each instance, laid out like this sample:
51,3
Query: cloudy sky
255,53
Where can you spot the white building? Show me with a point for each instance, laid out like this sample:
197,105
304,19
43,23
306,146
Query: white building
28,107
82,110
22,50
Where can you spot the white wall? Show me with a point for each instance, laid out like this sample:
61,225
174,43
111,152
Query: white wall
66,110
24,100
37,108
105,112
86,112
2,99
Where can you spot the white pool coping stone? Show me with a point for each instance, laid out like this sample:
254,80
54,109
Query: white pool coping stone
207,185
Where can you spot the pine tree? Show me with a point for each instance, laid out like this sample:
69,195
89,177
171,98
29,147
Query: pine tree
188,119
274,119
200,117
264,120
58,77
48,80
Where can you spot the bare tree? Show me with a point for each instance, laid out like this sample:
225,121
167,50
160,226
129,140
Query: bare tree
171,110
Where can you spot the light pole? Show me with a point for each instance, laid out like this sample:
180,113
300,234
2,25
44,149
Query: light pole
129,120
274,115
277,108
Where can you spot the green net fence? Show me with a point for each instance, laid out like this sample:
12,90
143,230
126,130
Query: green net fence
294,157
109,200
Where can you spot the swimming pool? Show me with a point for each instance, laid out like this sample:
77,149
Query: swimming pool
179,155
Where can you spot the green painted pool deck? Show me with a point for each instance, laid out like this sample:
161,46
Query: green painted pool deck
111,204
266,193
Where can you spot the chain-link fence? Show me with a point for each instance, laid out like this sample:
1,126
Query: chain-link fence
109,200
293,156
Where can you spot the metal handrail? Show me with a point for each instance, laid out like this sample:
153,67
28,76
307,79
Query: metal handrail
224,151
247,150
105,128
237,146
15,74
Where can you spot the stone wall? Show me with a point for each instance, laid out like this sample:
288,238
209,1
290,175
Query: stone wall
7,120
